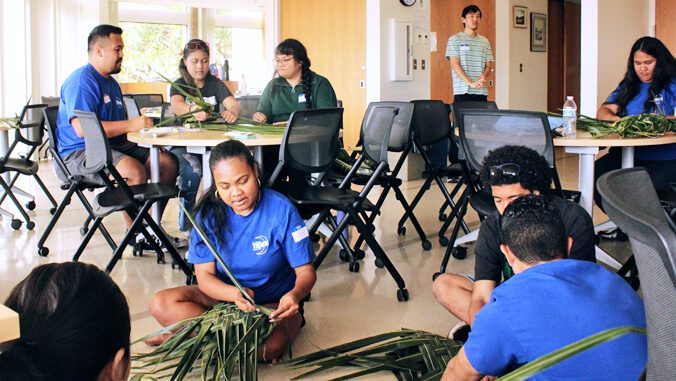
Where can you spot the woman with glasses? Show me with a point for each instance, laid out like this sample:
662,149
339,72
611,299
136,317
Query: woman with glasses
648,86
294,87
194,69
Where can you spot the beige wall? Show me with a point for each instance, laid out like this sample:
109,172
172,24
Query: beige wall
630,21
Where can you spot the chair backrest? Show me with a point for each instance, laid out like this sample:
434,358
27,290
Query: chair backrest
630,200
474,106
430,123
50,113
400,137
31,122
310,142
51,101
377,131
97,148
131,107
249,105
484,130
147,100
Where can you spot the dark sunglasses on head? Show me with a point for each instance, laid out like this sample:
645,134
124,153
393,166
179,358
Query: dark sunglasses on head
194,45
507,169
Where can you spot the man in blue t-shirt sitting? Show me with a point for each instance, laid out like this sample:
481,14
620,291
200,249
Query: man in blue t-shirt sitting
92,88
549,303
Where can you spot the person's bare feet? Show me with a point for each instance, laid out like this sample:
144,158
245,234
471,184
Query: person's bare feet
157,340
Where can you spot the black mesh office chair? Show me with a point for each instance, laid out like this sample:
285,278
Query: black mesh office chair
631,202
431,124
146,100
131,107
354,204
30,133
49,101
249,104
481,131
72,185
136,200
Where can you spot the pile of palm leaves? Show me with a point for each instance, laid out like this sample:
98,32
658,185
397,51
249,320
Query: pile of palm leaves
409,354
642,125
11,122
241,124
214,343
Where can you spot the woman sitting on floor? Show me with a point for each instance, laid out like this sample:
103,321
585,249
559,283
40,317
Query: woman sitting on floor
260,236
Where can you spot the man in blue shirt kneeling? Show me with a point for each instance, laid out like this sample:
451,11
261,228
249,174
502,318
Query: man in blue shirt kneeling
551,302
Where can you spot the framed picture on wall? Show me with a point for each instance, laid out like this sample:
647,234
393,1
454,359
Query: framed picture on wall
519,16
538,32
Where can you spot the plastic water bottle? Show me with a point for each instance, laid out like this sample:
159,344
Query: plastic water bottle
569,118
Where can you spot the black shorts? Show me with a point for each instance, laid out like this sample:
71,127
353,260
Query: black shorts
75,160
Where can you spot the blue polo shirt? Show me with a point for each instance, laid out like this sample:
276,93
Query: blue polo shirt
260,249
87,90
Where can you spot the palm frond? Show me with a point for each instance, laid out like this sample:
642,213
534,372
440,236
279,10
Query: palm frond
641,125
408,354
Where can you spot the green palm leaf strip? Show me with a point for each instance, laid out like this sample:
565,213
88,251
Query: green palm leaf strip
568,351
217,343
642,125
408,354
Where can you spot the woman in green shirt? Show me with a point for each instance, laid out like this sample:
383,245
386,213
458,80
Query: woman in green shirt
293,87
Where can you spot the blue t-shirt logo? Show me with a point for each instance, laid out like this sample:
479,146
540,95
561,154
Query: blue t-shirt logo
260,245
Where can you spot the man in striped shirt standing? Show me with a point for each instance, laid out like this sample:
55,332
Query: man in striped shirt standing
471,59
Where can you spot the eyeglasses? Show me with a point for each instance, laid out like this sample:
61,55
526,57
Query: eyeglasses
507,169
282,61
194,45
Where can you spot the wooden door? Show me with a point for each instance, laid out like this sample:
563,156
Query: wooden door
445,20
563,56
665,28
334,34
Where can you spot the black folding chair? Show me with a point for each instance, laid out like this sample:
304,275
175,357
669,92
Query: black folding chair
431,125
34,132
146,100
249,104
131,107
135,200
72,185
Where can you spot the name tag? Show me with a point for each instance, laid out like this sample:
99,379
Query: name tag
301,98
106,98
210,100
300,233
464,48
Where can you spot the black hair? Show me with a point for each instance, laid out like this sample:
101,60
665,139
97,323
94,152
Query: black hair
209,205
470,9
665,72
183,70
533,229
99,32
73,320
534,174
291,47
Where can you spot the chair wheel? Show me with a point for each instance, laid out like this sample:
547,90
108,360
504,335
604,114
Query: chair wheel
16,224
443,241
443,217
30,225
401,230
52,210
84,230
314,238
402,295
30,205
43,251
359,254
426,245
379,263
342,254
354,267
160,259
173,263
435,276
459,252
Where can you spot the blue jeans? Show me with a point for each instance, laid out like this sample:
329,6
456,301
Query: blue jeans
189,177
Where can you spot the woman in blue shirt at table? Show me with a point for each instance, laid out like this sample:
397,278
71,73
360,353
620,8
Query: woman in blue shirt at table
260,236
649,85
194,69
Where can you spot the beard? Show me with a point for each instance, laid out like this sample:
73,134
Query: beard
117,68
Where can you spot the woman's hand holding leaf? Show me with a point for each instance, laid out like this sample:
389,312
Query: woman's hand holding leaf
229,117
288,306
242,302
201,116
